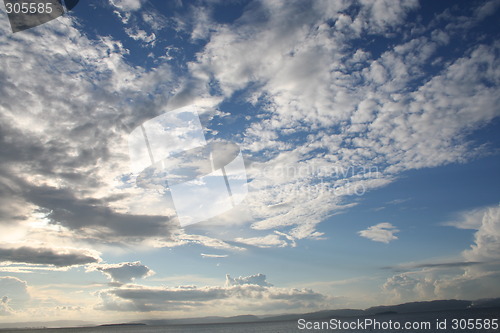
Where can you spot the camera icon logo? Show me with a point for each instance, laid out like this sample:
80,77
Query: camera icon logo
170,153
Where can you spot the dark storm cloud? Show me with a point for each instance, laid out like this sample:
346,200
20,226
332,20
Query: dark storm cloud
47,256
66,209
25,153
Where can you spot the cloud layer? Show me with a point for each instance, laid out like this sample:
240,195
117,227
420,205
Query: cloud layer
250,293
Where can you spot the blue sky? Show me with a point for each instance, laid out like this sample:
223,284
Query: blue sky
368,132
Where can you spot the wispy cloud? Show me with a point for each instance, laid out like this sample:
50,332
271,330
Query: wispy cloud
272,240
436,265
206,255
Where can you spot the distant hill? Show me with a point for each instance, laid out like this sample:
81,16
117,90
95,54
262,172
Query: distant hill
486,303
421,307
413,307
317,315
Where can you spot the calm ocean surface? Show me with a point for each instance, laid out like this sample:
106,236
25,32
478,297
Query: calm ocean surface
292,326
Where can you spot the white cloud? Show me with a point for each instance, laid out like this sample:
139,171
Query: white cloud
470,219
486,245
469,283
138,34
26,268
257,279
207,255
182,238
405,288
382,232
271,240
486,220
487,9
124,272
382,15
127,5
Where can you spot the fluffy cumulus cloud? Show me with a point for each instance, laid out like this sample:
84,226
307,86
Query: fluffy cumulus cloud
404,287
247,294
13,294
475,276
124,272
486,245
382,232
258,279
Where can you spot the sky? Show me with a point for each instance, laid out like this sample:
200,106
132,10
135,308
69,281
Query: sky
329,154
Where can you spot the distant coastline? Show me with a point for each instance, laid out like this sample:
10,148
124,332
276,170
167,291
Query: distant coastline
124,324
383,310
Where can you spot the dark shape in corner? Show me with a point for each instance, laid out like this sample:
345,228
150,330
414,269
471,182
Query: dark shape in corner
70,4
31,13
